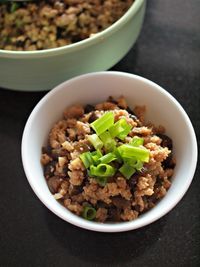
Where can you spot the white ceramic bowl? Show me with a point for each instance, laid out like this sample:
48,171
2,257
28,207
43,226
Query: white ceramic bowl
162,109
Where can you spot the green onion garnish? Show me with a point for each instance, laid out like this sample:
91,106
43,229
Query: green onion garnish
96,155
14,7
107,158
108,141
128,151
102,170
95,141
103,123
116,129
89,213
86,158
130,156
136,141
135,163
138,165
127,170
120,129
119,159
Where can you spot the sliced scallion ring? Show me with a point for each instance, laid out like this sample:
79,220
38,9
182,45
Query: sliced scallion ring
107,158
136,141
120,129
95,141
103,123
89,213
86,158
102,170
108,142
128,151
127,170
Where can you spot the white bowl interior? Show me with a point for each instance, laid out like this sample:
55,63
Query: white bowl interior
162,109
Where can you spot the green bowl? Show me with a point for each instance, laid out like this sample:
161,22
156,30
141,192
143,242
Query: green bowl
44,69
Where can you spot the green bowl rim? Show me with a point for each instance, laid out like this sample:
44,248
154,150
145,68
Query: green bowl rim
84,43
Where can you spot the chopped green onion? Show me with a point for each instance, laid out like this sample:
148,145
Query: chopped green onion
96,155
110,146
130,156
95,141
102,170
89,213
86,158
138,165
130,161
107,158
136,141
101,180
135,163
128,151
127,170
108,141
14,7
116,129
103,123
120,129
125,132
118,156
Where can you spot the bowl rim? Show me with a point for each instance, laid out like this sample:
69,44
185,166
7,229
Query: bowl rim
134,8
122,226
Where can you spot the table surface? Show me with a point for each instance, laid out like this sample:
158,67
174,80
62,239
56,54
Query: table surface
167,52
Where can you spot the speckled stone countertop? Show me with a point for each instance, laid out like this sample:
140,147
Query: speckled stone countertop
167,52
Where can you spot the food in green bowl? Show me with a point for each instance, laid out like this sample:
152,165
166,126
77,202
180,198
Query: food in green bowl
43,69
32,25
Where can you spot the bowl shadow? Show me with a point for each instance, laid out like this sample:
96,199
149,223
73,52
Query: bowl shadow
105,248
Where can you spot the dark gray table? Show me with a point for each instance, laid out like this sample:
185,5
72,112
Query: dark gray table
167,52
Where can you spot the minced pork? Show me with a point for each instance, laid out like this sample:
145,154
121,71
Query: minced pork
37,25
120,199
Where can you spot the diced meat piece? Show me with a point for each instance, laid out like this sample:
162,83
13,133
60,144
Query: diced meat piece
75,111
